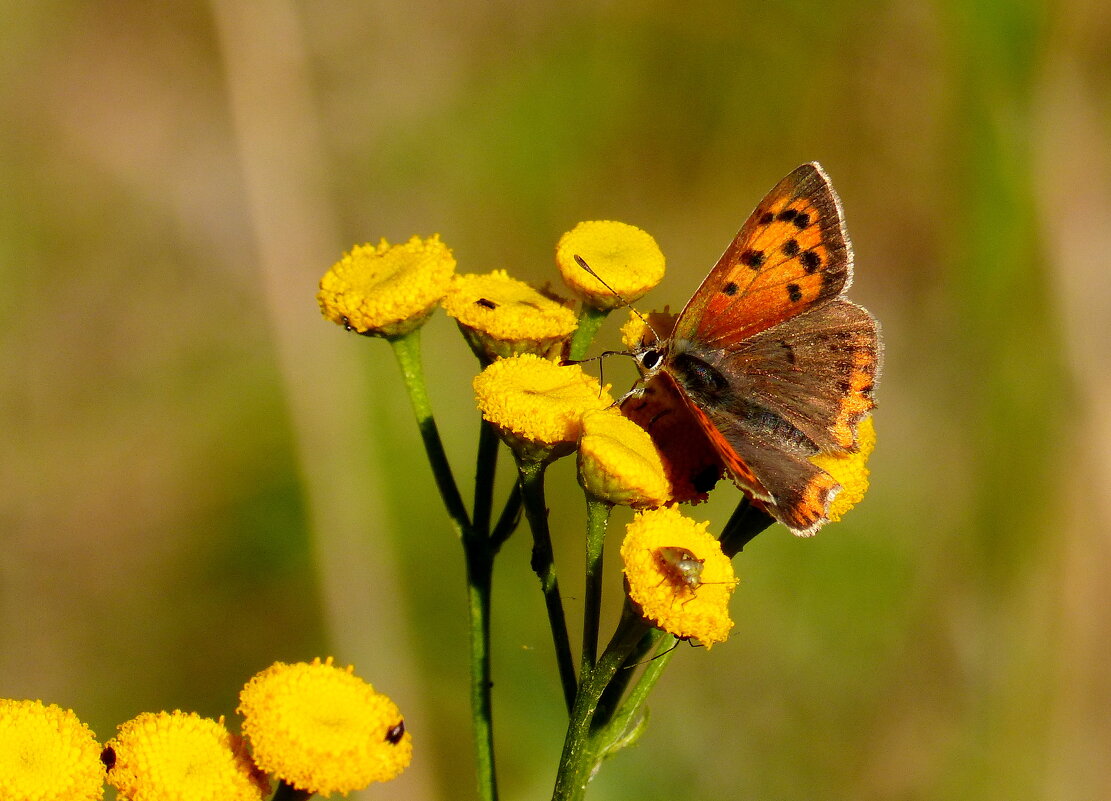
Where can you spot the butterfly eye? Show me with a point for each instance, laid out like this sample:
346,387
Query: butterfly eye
650,359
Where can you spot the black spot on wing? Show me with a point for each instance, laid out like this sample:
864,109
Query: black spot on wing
753,259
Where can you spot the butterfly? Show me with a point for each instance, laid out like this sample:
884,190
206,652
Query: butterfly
768,364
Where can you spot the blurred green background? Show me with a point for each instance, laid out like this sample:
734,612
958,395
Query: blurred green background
199,475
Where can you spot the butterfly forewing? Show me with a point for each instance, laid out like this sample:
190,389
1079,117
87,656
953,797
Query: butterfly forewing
791,255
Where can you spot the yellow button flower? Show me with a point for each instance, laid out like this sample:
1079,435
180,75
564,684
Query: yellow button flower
501,316
47,754
178,756
321,728
850,470
387,290
678,576
691,461
536,405
624,256
618,461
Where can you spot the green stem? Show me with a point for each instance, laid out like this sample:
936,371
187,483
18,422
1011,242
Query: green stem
597,519
611,698
508,521
480,568
543,563
590,319
744,524
634,702
407,350
479,556
486,465
582,751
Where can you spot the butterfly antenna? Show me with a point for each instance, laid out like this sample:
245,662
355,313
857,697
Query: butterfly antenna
601,364
616,294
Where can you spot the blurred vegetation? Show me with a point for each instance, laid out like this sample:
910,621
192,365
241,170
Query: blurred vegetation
199,476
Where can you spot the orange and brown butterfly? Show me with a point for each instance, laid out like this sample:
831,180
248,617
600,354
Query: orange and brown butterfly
768,364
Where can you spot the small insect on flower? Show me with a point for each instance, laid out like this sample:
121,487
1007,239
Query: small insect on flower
677,575
394,735
680,567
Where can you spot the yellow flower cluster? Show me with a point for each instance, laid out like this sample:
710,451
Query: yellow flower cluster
323,729
677,575
389,290
624,257
386,290
179,756
850,470
501,316
618,461
536,405
316,727
47,754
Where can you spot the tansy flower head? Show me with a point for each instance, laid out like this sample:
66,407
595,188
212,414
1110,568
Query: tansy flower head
678,576
618,461
178,756
850,470
691,462
501,316
323,729
386,290
625,257
47,754
536,405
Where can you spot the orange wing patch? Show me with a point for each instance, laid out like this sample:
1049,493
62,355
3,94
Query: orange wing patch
805,514
858,402
854,353
791,255
858,384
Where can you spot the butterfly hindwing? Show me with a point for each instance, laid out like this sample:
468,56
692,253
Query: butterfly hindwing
792,254
781,396
816,371
798,492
